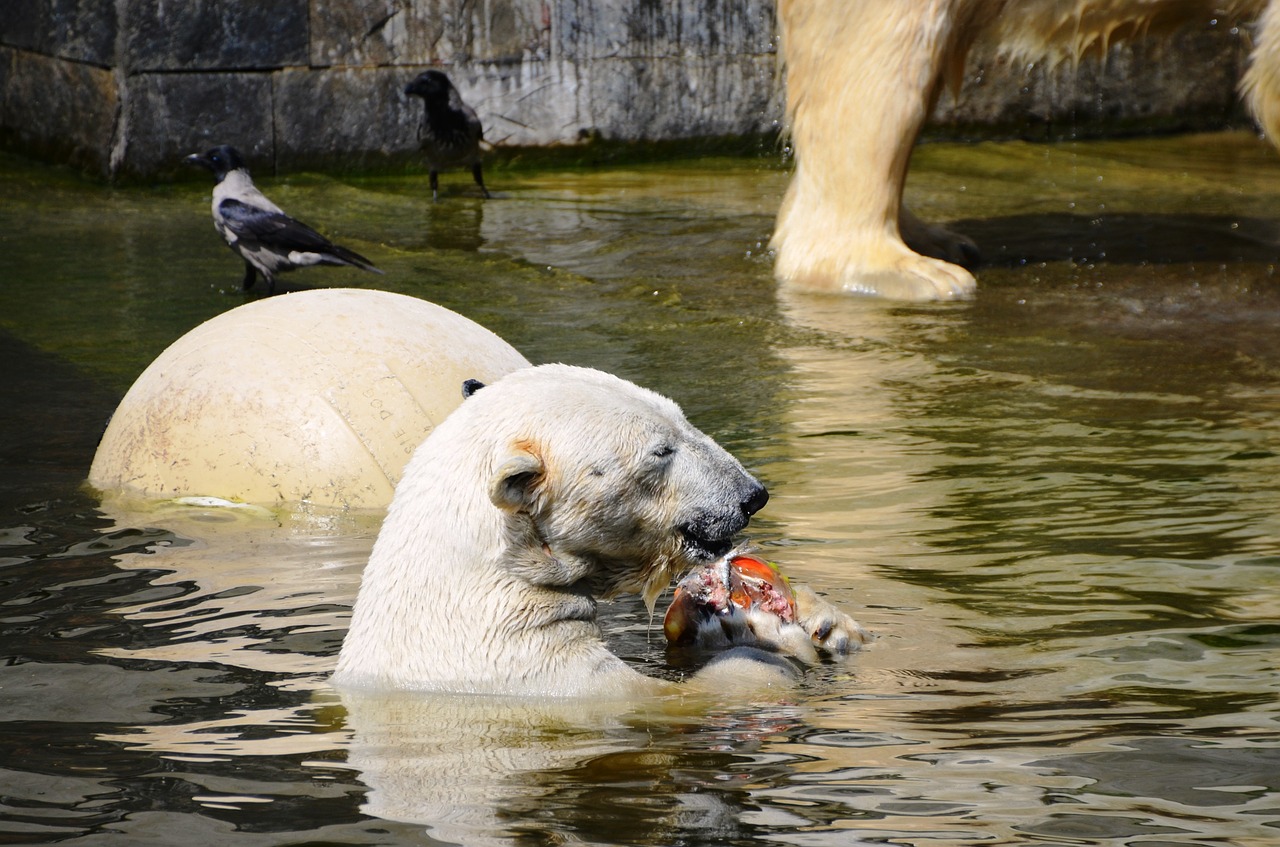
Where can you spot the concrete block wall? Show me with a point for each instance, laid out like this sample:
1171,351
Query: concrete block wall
1187,80
127,87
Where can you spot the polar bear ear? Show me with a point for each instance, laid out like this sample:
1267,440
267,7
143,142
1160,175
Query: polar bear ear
512,488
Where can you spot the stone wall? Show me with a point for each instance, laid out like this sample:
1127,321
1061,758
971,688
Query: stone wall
127,87
1184,81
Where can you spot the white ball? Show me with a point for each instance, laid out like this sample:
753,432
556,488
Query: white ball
316,398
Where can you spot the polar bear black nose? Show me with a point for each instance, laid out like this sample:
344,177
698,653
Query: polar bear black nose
755,500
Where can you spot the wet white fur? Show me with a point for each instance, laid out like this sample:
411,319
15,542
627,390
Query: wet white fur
544,490
863,77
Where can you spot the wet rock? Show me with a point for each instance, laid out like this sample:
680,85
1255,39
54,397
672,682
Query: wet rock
69,29
215,35
58,110
173,115
359,116
534,101
1185,81
716,98
687,28
428,32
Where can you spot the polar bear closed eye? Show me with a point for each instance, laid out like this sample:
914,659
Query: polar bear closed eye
548,489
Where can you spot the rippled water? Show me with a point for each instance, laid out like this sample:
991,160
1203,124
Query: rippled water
1056,506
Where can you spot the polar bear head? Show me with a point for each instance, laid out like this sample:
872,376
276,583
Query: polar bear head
542,492
611,478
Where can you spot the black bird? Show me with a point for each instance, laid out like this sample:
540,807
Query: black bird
269,241
451,132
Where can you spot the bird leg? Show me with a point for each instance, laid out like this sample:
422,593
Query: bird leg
435,186
478,172
249,275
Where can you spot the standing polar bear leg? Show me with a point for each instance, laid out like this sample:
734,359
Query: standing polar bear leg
1261,83
861,80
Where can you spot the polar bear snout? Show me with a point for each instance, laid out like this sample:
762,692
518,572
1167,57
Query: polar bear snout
756,500
709,534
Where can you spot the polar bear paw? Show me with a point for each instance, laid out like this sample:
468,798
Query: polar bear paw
819,628
744,601
936,240
827,626
913,278
874,266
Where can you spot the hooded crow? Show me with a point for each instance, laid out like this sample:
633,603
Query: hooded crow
451,132
269,241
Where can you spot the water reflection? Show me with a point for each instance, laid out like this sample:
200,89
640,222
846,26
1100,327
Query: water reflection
457,225
482,771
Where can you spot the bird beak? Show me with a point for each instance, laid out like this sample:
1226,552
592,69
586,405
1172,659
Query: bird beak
197,159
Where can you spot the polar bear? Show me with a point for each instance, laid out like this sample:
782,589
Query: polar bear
863,77
550,488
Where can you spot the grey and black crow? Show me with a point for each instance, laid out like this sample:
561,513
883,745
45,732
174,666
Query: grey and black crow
269,241
451,132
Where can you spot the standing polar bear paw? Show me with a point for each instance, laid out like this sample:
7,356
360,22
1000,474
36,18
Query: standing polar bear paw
910,277
888,267
875,263
901,275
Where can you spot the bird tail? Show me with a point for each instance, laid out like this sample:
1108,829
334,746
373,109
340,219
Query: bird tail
343,256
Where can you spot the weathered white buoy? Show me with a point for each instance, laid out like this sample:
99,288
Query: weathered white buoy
316,398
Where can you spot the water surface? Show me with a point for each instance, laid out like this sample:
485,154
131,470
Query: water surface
1056,506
